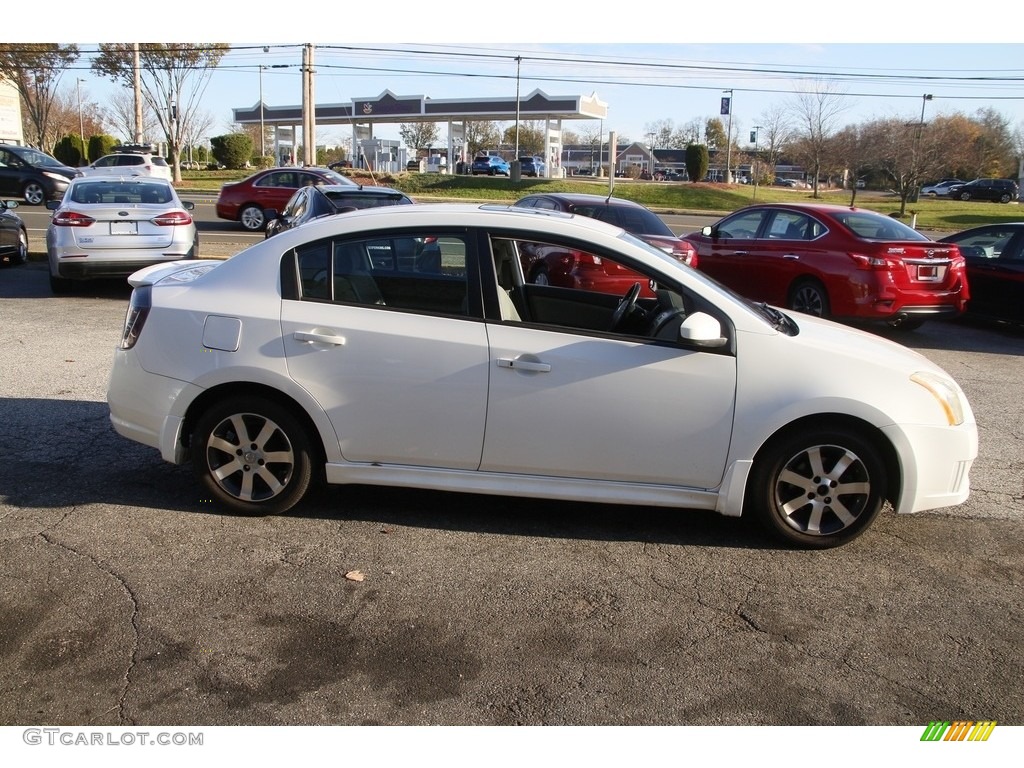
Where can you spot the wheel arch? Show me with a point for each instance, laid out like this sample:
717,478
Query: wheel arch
253,389
866,430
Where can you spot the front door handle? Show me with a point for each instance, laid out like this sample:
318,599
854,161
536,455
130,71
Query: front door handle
319,338
523,365
791,256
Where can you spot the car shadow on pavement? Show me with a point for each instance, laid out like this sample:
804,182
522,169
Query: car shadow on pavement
66,454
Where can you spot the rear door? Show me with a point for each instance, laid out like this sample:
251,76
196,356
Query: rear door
995,271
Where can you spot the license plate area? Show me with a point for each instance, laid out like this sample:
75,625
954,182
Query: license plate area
124,228
931,273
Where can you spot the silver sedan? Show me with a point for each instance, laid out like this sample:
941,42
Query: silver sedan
112,227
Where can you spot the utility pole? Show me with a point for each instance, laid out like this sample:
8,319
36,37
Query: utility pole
753,167
137,82
84,160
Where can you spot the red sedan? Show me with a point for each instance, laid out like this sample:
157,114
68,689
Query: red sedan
245,201
834,261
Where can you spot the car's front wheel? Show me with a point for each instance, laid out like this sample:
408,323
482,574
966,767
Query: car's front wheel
965,195
1004,198
22,254
252,455
33,193
818,487
252,218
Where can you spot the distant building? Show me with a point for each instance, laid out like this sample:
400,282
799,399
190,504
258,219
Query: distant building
10,114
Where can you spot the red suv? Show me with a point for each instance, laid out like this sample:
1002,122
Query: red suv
834,261
245,201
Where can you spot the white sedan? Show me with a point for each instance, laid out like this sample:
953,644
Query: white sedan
401,346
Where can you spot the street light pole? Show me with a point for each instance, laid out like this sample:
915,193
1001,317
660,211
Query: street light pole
81,121
925,98
727,107
263,132
754,169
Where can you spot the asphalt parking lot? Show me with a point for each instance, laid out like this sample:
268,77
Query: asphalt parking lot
127,599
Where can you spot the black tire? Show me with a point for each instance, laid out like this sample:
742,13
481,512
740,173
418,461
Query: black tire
491,172
819,487
252,218
61,285
21,256
810,297
540,276
267,470
33,193
1004,198
965,195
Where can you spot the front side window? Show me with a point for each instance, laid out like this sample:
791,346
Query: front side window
742,226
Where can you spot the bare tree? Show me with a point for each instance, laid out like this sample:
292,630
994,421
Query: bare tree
774,134
173,78
36,70
817,110
121,117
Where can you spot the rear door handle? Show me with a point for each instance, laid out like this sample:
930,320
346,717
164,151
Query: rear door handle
792,256
523,365
320,338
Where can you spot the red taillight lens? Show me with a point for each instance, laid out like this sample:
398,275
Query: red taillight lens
871,262
172,219
72,219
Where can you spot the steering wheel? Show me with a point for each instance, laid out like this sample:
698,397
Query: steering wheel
625,306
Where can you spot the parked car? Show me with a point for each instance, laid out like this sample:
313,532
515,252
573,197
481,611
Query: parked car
940,188
791,183
532,166
13,235
491,165
834,261
311,356
576,269
245,201
999,190
112,227
995,269
310,203
32,175
129,164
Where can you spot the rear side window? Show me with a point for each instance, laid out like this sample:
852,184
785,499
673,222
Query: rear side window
410,273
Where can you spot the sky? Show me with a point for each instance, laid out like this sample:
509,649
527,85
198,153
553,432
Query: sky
883,58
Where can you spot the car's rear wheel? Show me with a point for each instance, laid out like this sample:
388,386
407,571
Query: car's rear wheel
252,218
33,193
819,487
252,455
809,297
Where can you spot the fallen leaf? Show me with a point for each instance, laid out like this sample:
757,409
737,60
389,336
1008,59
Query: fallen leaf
355,576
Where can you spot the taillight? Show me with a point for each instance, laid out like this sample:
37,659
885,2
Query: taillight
135,318
871,262
172,219
581,259
72,219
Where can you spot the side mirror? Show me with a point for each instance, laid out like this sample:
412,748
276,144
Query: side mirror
707,231
270,214
702,330
188,205
8,204
52,205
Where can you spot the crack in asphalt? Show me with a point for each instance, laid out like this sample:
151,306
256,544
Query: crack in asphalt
127,677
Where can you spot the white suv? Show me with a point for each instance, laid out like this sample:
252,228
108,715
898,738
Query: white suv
130,164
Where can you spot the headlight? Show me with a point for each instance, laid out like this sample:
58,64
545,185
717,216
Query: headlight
945,392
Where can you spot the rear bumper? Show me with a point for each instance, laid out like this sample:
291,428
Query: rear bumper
93,267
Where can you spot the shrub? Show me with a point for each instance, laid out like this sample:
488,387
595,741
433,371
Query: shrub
100,145
233,150
697,161
70,150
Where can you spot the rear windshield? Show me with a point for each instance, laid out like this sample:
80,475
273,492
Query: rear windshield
636,220
121,194
348,200
872,226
